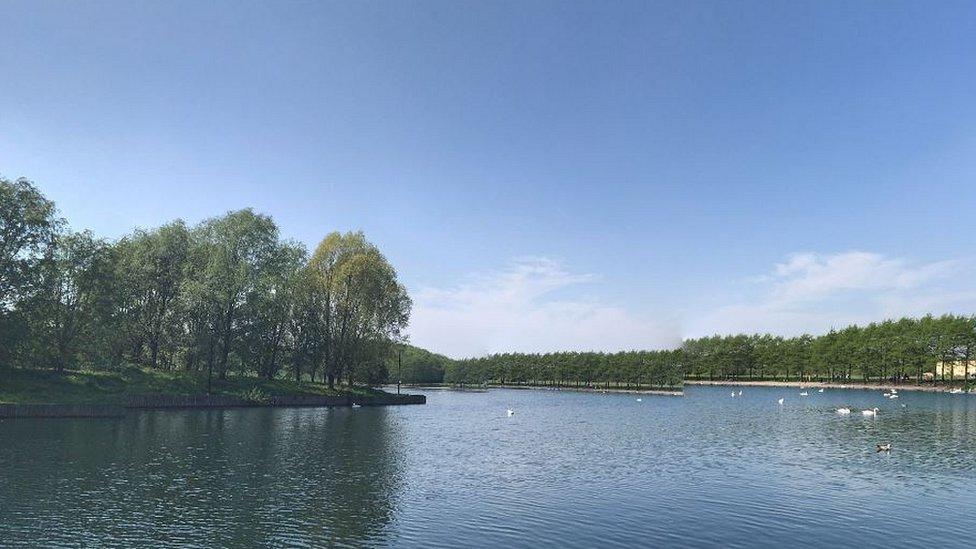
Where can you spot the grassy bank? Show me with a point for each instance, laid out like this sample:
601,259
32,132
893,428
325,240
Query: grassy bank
82,387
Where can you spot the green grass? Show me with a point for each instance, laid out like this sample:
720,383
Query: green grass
83,387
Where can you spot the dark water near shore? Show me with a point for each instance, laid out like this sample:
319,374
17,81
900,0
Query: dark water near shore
568,470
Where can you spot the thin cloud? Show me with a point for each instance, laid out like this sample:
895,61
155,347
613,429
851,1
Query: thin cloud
522,308
811,292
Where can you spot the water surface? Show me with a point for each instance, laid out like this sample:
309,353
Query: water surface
568,470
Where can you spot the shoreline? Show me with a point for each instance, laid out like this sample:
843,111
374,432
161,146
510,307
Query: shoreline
660,392
823,384
198,402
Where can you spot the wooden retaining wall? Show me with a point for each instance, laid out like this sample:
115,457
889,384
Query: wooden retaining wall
286,401
59,410
144,402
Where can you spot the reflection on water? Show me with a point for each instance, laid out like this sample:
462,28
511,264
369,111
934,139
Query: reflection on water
770,474
201,478
568,470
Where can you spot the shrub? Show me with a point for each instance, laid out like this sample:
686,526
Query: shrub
255,395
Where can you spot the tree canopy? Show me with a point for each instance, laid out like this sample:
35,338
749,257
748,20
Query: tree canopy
227,296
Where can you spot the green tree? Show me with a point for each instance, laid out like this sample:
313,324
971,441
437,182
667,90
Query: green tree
71,296
363,306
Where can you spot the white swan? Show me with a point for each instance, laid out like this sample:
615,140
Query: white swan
640,400
893,396
894,391
843,410
740,393
733,394
357,405
510,412
871,412
803,394
886,395
780,401
820,391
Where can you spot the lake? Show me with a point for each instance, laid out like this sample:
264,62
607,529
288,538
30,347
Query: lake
568,470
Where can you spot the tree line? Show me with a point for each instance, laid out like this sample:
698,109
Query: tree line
892,351
226,296
907,349
895,351
627,369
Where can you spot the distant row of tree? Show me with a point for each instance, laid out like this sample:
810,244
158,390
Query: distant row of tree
893,350
228,295
925,349
628,369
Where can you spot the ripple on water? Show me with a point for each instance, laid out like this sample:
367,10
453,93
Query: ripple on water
569,470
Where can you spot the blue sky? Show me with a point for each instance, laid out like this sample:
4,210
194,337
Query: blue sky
543,174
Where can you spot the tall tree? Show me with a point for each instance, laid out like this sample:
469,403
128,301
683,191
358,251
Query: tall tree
236,251
363,304
28,223
74,278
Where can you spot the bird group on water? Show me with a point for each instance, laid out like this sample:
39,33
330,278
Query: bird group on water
844,411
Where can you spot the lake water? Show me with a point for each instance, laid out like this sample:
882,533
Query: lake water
568,470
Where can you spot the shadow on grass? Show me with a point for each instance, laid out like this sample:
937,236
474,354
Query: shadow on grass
20,386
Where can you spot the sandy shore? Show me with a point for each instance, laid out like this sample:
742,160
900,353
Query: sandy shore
818,385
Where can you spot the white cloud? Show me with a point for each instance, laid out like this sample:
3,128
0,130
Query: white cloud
813,292
520,309
808,276
525,307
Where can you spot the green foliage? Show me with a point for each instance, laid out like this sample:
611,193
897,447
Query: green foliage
417,366
631,369
227,296
112,387
359,307
28,223
889,351
255,395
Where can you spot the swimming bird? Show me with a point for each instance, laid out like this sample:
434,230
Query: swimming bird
780,401
803,394
893,396
843,410
740,393
894,391
871,412
955,391
886,447
640,400
886,395
357,405
733,394
510,412
820,391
